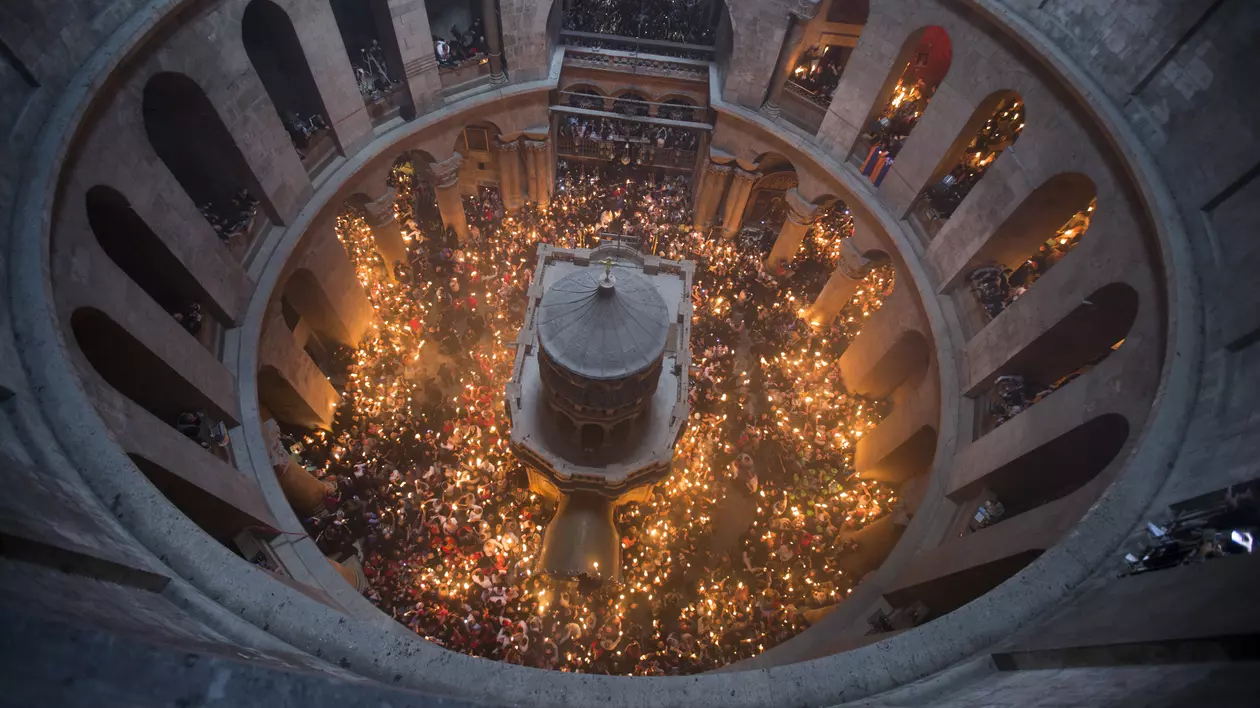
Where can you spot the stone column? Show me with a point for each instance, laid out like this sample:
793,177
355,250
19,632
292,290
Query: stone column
510,175
386,230
788,54
800,218
353,575
737,200
529,170
305,493
494,40
844,282
713,181
450,202
536,153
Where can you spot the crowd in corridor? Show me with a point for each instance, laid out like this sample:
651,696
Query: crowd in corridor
431,502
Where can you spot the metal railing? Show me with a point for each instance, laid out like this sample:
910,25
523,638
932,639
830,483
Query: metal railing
635,63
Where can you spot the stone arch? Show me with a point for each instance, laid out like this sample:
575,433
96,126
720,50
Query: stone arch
908,460
482,138
585,87
1042,214
1086,335
680,105
285,402
132,245
361,23
766,203
589,97
905,361
306,294
1054,469
272,44
631,101
135,372
186,132
926,56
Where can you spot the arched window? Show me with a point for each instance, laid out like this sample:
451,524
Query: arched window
815,74
679,109
187,134
994,126
276,53
1074,345
588,98
631,104
1045,227
138,252
918,70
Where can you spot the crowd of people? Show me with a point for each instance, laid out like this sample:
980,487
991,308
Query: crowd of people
431,500
818,72
469,45
637,142
231,218
999,132
1227,524
684,21
372,73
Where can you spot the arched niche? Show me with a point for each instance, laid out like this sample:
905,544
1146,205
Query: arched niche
186,132
1055,469
1090,332
1045,213
993,127
276,54
131,369
129,242
917,71
278,396
905,361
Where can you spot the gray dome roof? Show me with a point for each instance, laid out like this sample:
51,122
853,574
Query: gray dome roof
603,332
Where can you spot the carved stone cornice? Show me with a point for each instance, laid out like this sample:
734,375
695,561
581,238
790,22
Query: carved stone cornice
719,169
745,175
509,146
535,145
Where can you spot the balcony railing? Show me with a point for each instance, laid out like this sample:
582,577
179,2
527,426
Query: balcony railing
640,152
634,45
634,63
803,108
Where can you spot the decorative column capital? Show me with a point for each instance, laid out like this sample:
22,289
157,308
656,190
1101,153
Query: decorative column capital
718,168
380,211
745,175
799,211
508,146
852,263
535,145
446,172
